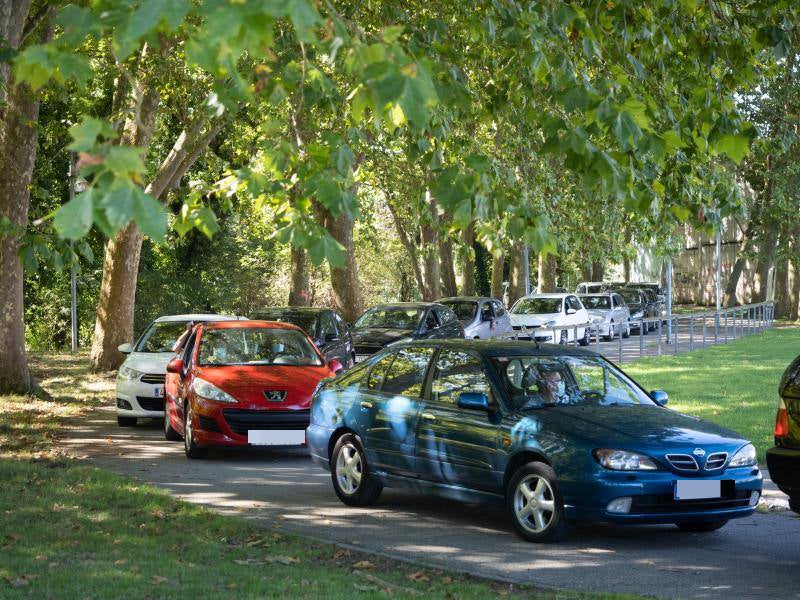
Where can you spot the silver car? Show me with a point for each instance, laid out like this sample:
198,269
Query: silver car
481,317
608,314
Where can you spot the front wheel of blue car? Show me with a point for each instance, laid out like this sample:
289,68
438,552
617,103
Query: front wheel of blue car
352,480
535,503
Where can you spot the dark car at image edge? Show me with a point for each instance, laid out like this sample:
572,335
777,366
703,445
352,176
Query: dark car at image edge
783,460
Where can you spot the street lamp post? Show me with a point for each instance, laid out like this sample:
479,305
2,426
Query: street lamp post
73,278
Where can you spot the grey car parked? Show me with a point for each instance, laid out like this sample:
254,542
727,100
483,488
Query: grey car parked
608,314
481,317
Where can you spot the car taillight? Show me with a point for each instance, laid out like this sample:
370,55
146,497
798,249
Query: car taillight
781,421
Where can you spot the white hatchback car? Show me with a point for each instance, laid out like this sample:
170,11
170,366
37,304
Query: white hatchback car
539,313
608,314
140,379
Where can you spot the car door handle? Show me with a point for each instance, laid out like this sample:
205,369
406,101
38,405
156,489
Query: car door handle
428,416
366,404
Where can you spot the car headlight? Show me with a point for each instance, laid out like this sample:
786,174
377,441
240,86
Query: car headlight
622,460
551,324
596,319
127,374
206,389
638,314
745,457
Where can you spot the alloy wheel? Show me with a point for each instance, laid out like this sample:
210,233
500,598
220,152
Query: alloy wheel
534,503
349,468
188,437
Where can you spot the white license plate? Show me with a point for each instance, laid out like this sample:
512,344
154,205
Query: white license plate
276,437
697,489
361,357
158,392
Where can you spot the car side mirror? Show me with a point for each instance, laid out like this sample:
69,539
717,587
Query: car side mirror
175,366
473,401
335,366
660,397
571,311
125,348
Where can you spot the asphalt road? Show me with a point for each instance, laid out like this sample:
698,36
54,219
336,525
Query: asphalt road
757,557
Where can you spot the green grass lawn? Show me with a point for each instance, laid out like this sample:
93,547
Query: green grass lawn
734,384
72,531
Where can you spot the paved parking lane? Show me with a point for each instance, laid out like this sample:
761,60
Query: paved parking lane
757,557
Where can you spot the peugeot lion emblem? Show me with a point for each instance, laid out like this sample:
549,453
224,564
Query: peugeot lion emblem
275,395
699,452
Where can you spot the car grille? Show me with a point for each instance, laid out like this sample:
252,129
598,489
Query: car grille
667,504
155,378
155,404
367,349
716,461
209,424
524,327
683,462
241,421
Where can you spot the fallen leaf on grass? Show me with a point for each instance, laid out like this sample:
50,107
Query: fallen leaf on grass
418,576
363,564
21,581
41,557
120,562
365,588
158,579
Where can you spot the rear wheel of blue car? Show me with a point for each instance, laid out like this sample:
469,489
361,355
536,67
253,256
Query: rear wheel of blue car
352,480
701,526
535,503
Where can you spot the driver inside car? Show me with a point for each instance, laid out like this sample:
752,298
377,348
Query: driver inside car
549,385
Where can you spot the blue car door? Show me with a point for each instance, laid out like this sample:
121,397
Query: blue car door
389,409
455,445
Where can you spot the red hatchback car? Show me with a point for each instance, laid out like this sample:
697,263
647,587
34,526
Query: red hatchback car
240,383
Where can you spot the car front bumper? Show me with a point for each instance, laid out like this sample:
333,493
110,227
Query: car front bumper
784,470
653,497
135,398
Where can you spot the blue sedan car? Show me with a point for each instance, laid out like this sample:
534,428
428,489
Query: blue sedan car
558,434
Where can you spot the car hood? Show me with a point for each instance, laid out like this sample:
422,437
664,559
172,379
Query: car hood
248,383
531,320
598,312
637,427
378,336
149,362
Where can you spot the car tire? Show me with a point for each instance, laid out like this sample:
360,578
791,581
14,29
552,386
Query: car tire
627,331
169,433
701,526
794,505
584,341
126,421
563,340
191,449
545,520
352,480
610,336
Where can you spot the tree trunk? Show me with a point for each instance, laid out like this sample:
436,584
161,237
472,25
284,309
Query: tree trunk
516,273
597,270
409,245
766,260
299,294
794,290
782,290
498,263
468,262
430,249
114,322
547,273
344,282
626,268
19,113
586,271
447,268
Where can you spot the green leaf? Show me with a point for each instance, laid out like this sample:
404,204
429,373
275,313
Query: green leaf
326,247
73,66
86,251
84,134
74,219
149,215
33,66
304,17
124,160
391,34
118,204
736,146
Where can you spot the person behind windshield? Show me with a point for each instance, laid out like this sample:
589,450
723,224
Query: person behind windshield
550,387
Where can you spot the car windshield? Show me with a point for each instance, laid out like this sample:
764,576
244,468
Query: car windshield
161,337
465,311
304,320
391,318
631,297
533,382
256,346
596,302
537,306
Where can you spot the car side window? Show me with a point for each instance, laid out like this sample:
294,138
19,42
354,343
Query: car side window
354,378
499,309
431,320
188,352
407,373
378,372
487,310
328,326
458,372
340,324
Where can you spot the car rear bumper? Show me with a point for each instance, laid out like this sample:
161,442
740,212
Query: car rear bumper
784,470
653,498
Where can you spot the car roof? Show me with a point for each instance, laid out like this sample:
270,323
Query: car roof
598,294
204,317
405,305
496,347
552,295
292,309
251,325
593,283
467,299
